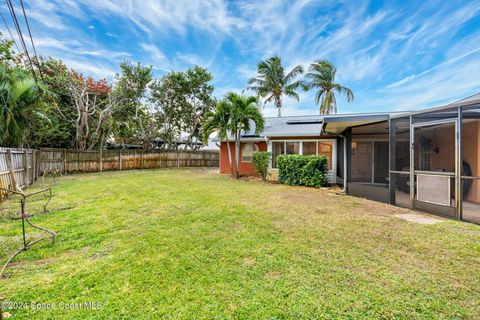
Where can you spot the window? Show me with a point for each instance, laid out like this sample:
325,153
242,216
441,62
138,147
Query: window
326,149
424,158
247,151
278,148
435,147
292,148
309,148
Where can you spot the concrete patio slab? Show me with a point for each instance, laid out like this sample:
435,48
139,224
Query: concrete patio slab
419,218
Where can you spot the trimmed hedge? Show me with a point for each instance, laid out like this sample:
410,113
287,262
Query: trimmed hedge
260,161
296,170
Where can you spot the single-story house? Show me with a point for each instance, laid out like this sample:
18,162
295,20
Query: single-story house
381,155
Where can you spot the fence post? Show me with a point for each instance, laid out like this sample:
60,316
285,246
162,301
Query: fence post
34,165
134,159
26,176
13,181
141,159
100,160
120,158
78,161
64,153
38,161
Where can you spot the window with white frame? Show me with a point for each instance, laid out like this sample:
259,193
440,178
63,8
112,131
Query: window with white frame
247,151
316,147
309,148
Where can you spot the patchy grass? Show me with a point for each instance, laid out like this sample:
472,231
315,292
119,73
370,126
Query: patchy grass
193,244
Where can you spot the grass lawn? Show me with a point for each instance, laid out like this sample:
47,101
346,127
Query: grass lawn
185,243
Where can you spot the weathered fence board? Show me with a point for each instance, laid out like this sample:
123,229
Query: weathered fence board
27,164
66,160
22,162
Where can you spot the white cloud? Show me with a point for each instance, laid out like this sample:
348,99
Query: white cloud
155,53
50,21
89,68
153,16
403,56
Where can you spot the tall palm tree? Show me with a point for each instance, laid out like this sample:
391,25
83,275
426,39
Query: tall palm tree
272,83
220,122
321,75
245,112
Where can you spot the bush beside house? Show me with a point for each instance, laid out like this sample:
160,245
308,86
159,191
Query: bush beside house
260,161
296,170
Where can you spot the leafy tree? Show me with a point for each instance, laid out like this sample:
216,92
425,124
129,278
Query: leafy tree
182,100
321,76
245,112
60,131
167,96
23,100
199,101
220,121
132,82
272,83
89,97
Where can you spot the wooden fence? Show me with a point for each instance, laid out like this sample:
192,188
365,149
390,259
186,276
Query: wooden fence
27,164
66,160
18,167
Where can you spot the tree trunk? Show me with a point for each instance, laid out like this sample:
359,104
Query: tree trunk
278,104
230,157
237,154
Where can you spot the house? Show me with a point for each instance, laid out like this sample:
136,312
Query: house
381,155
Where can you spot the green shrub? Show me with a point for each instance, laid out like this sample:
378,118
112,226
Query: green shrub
296,170
260,161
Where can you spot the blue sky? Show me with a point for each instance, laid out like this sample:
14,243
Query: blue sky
394,55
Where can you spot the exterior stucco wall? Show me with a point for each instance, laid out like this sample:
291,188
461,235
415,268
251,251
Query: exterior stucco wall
245,168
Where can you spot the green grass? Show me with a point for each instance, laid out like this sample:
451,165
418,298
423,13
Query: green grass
193,244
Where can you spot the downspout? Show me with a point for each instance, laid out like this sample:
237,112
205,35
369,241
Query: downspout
270,162
345,165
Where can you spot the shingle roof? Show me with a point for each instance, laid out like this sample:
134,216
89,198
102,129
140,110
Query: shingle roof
304,126
312,125
293,126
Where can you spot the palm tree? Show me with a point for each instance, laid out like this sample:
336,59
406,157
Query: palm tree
21,98
245,112
219,121
321,75
272,83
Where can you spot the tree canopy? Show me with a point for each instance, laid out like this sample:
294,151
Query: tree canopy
321,76
272,82
67,109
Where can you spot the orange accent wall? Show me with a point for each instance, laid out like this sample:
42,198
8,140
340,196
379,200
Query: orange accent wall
245,168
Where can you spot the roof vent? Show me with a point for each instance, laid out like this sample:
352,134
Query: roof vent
304,121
